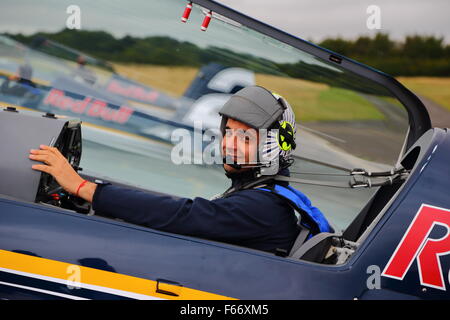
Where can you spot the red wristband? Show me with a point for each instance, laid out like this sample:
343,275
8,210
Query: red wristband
80,186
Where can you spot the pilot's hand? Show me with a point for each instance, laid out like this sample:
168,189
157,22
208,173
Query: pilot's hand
57,165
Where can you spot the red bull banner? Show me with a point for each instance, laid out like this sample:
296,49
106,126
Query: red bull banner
87,106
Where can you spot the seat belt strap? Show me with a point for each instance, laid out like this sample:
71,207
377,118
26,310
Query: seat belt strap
301,238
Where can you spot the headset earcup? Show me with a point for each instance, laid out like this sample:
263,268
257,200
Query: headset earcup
286,139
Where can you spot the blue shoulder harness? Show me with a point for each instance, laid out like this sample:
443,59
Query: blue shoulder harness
315,219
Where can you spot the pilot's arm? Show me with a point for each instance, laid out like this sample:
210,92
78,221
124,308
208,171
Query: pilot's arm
246,217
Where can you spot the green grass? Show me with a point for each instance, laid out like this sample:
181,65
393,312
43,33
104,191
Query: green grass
311,101
341,104
435,89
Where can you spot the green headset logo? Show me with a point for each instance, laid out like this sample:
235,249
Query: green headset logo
285,135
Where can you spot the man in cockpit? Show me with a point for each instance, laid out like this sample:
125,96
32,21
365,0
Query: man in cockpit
83,73
257,211
21,83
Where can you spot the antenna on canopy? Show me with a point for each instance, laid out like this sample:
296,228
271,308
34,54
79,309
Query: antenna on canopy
206,21
187,12
223,19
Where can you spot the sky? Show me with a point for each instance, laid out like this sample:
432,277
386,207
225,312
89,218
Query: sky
319,19
141,19
308,19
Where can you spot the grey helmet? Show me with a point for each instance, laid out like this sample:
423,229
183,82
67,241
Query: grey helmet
260,109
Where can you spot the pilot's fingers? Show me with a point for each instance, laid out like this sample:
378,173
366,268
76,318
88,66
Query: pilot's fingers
48,148
47,159
37,151
46,152
43,168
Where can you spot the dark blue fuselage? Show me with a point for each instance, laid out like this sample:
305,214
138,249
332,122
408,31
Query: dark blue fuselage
233,271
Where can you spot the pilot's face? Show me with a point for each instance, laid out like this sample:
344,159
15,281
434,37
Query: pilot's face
240,143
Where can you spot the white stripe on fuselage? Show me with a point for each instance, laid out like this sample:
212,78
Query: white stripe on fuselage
53,293
84,285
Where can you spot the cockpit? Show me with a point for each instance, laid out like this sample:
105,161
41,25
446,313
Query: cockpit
112,100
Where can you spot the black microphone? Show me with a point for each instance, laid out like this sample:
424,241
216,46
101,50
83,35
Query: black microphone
230,161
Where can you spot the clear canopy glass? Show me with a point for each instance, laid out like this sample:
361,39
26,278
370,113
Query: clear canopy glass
164,75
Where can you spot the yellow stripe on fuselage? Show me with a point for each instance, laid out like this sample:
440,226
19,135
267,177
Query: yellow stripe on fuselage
90,276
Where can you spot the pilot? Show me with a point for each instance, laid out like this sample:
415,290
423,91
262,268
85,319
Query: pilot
84,73
257,211
22,82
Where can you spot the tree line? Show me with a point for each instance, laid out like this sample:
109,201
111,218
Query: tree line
415,56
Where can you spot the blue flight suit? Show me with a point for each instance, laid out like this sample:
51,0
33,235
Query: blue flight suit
251,218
